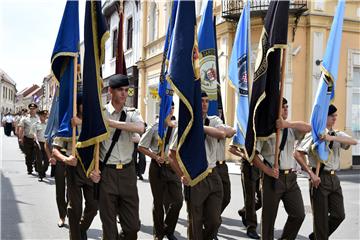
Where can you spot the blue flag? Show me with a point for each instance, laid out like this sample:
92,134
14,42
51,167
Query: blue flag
207,57
326,89
53,121
184,77
165,91
62,64
94,130
239,75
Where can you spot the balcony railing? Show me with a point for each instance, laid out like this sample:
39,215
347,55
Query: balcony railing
231,9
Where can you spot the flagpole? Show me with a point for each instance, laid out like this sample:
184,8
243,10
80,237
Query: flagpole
276,163
74,107
218,85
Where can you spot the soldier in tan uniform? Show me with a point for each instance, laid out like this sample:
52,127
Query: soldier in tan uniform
26,139
326,195
204,200
38,130
118,189
280,184
78,185
250,178
165,184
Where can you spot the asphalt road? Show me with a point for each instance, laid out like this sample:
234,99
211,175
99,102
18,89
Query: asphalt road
28,208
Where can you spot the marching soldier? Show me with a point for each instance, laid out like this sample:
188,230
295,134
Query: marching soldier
204,200
222,168
38,130
326,194
250,178
26,139
280,184
118,189
165,184
77,185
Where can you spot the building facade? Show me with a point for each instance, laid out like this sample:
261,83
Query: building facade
308,31
7,93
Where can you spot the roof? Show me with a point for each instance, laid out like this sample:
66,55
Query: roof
6,77
27,90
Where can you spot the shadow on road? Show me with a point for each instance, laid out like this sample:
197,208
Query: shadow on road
10,215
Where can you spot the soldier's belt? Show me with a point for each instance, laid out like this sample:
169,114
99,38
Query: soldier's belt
286,171
329,172
118,166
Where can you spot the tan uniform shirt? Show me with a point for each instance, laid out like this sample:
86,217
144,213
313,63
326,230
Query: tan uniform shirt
333,162
210,142
150,139
63,144
26,123
123,149
38,129
267,149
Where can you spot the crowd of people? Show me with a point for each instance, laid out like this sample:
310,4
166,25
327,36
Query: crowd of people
263,184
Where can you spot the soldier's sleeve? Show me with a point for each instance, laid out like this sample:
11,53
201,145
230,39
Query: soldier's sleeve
342,134
58,142
298,135
259,146
21,123
217,122
136,116
305,144
174,140
145,140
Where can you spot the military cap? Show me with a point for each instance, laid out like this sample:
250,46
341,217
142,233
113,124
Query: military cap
42,112
32,105
284,101
332,110
203,94
118,80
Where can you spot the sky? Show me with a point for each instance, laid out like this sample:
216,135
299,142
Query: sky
28,30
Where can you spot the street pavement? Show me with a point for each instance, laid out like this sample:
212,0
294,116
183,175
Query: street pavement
28,207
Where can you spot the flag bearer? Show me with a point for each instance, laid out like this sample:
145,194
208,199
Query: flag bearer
326,197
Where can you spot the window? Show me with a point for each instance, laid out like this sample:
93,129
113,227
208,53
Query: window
152,22
114,42
355,107
129,36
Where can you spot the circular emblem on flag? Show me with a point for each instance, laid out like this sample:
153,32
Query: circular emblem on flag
208,73
131,91
243,77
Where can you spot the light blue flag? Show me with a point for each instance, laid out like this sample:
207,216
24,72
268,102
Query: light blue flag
239,75
326,89
207,57
165,92
53,121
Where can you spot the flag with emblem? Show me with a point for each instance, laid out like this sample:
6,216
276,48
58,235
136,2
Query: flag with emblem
326,89
94,129
265,93
207,57
62,65
184,77
239,75
165,92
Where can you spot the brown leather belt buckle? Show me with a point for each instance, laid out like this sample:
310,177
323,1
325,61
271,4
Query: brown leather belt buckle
286,171
210,170
119,166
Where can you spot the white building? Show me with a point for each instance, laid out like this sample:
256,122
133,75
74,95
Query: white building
131,43
7,93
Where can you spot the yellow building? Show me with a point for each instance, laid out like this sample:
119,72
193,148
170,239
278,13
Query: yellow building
309,27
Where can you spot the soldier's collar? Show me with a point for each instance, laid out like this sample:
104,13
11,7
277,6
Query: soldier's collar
111,108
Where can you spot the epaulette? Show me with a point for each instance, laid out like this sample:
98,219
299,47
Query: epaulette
131,109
